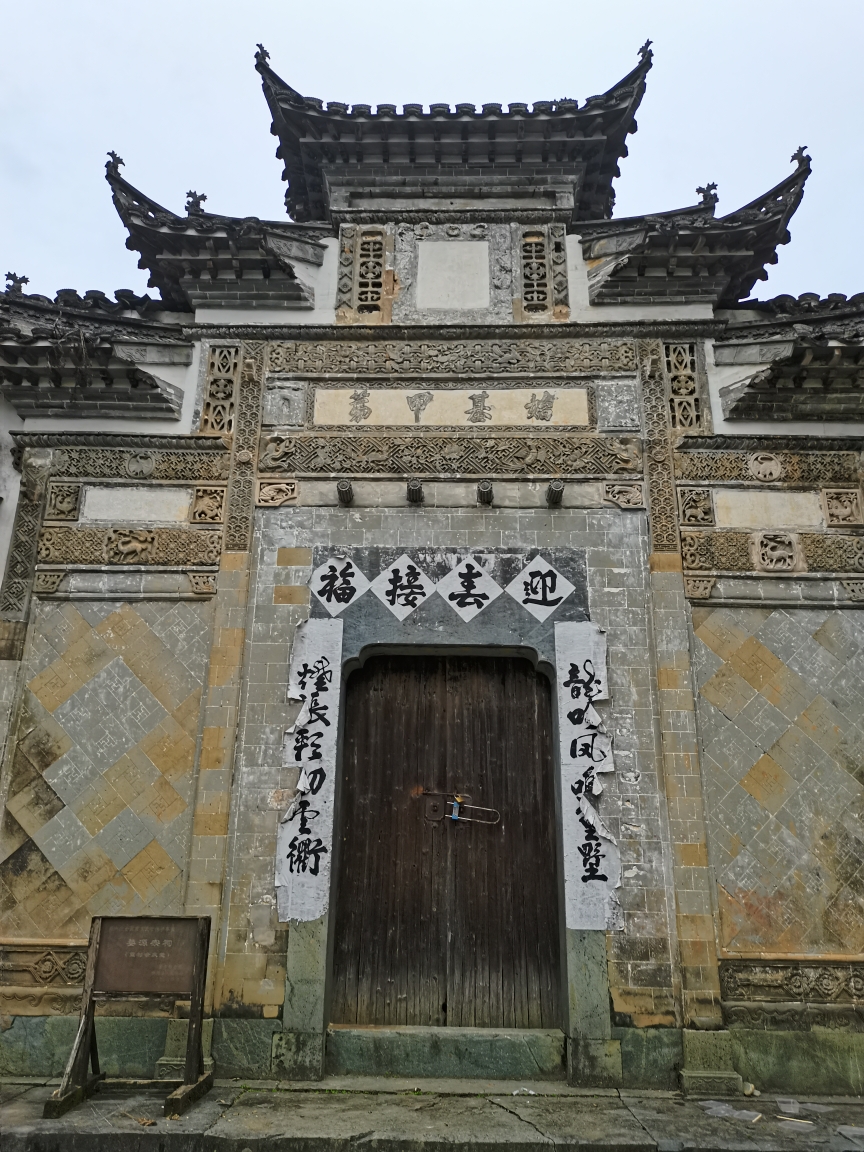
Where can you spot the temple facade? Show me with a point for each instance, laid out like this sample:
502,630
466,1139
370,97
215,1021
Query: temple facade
454,591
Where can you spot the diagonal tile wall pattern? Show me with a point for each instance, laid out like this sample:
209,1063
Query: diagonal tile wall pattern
101,784
781,713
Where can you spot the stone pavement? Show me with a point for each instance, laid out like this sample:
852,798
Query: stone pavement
409,1115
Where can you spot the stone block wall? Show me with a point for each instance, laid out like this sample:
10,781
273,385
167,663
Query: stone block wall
99,781
781,715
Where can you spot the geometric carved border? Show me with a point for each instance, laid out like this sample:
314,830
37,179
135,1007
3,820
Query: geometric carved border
59,544
731,551
410,357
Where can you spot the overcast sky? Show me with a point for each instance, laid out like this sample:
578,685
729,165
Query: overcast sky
736,87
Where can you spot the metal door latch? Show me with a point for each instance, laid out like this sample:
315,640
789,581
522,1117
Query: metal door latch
454,805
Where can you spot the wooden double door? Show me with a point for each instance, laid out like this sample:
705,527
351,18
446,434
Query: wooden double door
443,922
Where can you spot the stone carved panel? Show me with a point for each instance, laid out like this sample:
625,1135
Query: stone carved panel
716,551
794,981
815,468
842,506
273,494
684,401
564,355
696,506
826,552
308,454
208,506
624,495
776,552
854,589
618,406
63,501
765,467
22,553
164,546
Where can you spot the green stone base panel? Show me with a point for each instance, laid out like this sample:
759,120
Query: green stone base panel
650,1057
819,1062
464,1053
40,1045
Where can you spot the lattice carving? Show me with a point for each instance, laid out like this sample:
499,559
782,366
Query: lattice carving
111,463
217,411
241,491
59,544
696,506
208,506
407,358
815,468
825,552
716,551
535,272
661,491
345,281
558,260
684,404
310,454
854,589
369,270
23,965
202,583
63,501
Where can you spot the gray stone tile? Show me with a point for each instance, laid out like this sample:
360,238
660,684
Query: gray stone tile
124,837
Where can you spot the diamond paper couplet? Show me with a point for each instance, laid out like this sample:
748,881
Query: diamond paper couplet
402,587
540,588
468,589
337,583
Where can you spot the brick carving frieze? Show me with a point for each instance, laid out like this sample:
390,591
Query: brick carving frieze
247,424
769,467
310,454
340,357
149,464
773,552
793,996
60,544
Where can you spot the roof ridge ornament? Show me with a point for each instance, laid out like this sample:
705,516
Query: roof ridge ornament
15,284
709,195
800,157
113,164
194,200
645,50
262,55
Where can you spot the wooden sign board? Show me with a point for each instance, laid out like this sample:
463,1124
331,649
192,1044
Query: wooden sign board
146,955
140,956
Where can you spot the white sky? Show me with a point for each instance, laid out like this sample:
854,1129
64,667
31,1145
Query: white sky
736,87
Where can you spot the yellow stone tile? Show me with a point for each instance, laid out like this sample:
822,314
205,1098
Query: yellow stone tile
113,898
691,855
788,692
215,743
97,805
187,713
293,557
51,904
823,724
159,801
87,871
727,691
721,635
55,684
290,594
131,775
768,783
234,561
211,816
33,806
755,663
170,748
150,871
88,656
119,630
